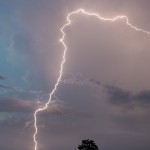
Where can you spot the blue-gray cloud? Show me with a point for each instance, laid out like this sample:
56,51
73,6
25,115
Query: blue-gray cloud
119,96
8,87
2,78
16,105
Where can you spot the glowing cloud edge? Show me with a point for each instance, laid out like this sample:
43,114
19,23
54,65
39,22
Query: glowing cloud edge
64,56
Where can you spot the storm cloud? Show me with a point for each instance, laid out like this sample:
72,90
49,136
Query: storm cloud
7,87
119,96
16,105
105,91
2,78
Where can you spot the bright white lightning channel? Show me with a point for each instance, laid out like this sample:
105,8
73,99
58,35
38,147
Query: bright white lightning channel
81,11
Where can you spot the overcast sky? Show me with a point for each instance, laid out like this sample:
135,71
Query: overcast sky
104,94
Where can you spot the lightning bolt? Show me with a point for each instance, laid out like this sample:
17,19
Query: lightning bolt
81,11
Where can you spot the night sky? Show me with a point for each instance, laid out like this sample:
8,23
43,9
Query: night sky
104,94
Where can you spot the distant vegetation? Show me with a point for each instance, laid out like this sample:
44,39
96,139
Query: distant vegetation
88,145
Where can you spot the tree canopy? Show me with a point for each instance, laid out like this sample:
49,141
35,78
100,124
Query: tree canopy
88,145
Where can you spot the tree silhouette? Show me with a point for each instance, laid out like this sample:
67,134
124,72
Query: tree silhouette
88,145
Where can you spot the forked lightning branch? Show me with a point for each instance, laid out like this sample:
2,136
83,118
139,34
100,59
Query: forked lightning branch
68,23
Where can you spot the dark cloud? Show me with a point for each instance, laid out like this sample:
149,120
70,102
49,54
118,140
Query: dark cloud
8,87
27,106
16,105
119,96
2,78
143,97
95,81
78,79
